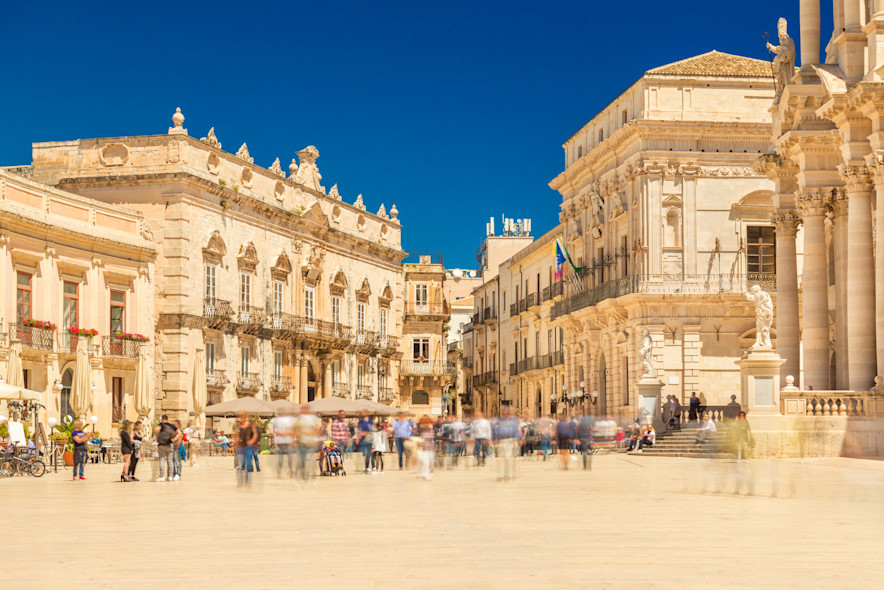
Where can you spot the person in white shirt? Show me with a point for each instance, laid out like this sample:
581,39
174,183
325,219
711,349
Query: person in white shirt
379,446
706,429
481,435
283,436
648,440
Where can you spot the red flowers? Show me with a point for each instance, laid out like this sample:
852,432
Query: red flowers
40,324
133,337
89,332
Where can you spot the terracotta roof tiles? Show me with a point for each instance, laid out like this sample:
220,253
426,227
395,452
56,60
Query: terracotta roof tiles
716,63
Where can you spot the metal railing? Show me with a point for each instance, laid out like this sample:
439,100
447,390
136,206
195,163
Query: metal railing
552,291
557,358
281,383
386,394
248,314
32,337
434,308
217,308
248,381
366,338
532,300
340,390
111,346
216,378
428,367
388,342
68,342
662,285
363,392
467,327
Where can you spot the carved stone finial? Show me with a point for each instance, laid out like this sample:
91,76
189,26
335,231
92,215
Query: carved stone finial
382,212
276,168
243,154
359,204
394,212
178,122
293,169
333,193
211,139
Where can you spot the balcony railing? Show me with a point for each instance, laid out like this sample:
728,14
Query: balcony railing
386,395
468,362
217,308
215,378
250,315
68,342
248,381
662,285
532,300
486,378
552,291
557,358
527,364
388,342
280,384
428,367
830,403
111,346
434,308
366,338
468,327
340,390
489,313
31,337
363,392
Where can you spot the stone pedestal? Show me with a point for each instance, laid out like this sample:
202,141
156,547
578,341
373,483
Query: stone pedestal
650,391
760,378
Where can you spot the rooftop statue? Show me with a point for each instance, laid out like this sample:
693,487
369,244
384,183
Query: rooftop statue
784,62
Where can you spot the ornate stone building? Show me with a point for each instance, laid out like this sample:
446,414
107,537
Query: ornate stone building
72,262
827,164
292,292
669,224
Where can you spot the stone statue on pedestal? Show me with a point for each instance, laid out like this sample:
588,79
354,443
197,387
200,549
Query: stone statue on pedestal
763,317
784,62
646,350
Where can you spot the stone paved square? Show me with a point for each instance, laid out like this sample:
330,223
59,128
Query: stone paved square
631,522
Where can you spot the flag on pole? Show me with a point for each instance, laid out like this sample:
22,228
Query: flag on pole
566,267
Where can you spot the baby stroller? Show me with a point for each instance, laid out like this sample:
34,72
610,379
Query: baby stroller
331,460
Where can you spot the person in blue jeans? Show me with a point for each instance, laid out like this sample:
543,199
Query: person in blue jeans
364,429
402,430
246,440
79,439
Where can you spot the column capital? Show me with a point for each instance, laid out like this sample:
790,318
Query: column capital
856,176
875,162
786,222
774,166
813,201
839,201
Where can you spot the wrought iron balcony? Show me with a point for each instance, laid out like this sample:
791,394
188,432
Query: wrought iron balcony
68,342
557,358
468,327
363,392
248,382
366,338
340,390
218,309
215,378
248,315
388,344
426,367
280,384
386,395
111,346
32,337
426,309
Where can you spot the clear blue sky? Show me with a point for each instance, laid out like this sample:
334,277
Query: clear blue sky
454,111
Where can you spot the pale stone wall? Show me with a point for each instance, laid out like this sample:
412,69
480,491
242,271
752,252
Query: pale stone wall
59,237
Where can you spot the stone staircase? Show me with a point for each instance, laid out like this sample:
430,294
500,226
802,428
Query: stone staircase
680,443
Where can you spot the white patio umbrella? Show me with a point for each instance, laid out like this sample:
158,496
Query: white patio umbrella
15,393
81,388
15,376
199,386
143,398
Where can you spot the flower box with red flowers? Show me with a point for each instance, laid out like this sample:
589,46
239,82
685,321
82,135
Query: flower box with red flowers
133,337
88,332
39,324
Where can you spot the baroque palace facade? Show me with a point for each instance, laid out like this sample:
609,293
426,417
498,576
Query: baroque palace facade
669,224
290,291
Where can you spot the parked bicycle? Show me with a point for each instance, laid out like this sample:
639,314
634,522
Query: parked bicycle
12,465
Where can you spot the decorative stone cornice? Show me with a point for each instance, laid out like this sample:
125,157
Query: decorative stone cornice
839,201
856,176
786,222
813,201
774,166
875,162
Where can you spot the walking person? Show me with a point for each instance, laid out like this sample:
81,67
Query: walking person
246,439
693,407
308,428
564,439
179,441
402,430
743,440
137,450
378,448
481,436
428,448
127,449
164,433
81,451
283,427
364,430
507,438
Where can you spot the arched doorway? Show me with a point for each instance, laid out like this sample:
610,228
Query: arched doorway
311,383
603,385
64,406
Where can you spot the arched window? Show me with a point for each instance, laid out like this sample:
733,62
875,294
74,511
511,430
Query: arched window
420,398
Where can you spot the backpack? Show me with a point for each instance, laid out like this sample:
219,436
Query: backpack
165,435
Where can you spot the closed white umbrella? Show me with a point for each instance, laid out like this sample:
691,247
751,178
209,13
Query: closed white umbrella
81,388
14,374
200,394
143,398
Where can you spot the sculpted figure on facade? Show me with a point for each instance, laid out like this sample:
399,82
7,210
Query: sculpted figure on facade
308,172
598,207
243,154
646,351
276,168
333,192
211,139
763,317
784,62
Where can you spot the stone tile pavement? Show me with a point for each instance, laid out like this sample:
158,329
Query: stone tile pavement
631,522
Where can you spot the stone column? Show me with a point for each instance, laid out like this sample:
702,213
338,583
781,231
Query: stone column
303,392
327,379
296,377
809,16
812,205
839,207
877,167
861,322
788,338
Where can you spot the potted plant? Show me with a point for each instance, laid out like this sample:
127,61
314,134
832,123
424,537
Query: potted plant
63,434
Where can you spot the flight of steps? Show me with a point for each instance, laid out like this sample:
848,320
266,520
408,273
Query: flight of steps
680,443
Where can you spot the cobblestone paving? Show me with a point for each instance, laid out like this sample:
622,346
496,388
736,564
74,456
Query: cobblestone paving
631,522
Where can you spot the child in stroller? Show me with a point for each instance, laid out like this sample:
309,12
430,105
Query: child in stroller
331,460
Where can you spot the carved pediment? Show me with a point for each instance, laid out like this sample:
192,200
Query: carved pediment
339,283
386,296
316,215
312,267
215,249
248,257
282,268
364,291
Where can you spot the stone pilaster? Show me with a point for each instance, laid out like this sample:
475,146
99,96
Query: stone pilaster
303,389
862,360
877,167
812,205
787,314
327,378
842,369
296,377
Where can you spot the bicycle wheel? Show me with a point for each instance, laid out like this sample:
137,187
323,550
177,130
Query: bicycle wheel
37,468
6,469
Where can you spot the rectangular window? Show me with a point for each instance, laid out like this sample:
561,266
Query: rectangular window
421,350
278,291
211,283
210,356
624,253
360,318
336,310
117,311
360,375
601,265
422,297
245,291
117,389
309,304
71,305
23,297
383,326
336,372
244,353
761,250
277,364
625,117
